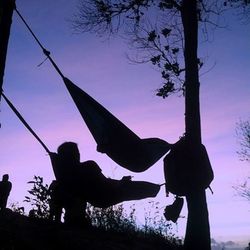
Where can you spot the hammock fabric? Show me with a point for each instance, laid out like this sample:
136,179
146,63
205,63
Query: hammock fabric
113,138
86,182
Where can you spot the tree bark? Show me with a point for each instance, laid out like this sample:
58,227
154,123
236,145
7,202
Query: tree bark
6,11
197,230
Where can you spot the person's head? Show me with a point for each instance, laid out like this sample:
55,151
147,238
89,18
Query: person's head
5,177
69,151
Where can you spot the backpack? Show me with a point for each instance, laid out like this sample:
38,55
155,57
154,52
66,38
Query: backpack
187,169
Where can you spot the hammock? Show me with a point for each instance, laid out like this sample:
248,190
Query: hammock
87,183
113,138
117,191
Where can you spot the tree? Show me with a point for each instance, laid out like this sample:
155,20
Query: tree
165,33
6,11
243,133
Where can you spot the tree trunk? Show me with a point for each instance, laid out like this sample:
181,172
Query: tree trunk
6,11
197,230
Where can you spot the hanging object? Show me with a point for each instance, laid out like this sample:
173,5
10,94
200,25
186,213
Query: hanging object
112,192
172,212
112,137
86,182
187,169
115,139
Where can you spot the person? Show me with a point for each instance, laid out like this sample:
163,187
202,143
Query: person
5,188
72,182
83,182
56,202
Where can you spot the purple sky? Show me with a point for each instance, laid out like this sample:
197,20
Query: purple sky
100,68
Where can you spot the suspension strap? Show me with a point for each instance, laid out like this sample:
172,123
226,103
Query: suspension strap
45,51
24,122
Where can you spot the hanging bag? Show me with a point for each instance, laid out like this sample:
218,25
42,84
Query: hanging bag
187,169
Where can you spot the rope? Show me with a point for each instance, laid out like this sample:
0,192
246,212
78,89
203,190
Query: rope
211,190
24,122
45,51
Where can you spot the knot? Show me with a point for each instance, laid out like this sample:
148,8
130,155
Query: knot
46,52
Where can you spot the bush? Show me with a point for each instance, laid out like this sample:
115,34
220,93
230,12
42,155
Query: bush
39,199
113,218
15,207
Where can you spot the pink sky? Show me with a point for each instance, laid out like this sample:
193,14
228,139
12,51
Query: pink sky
128,91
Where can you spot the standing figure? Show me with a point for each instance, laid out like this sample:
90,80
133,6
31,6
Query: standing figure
5,188
56,203
67,172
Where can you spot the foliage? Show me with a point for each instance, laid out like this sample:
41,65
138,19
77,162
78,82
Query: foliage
243,134
15,207
113,218
241,6
243,190
39,199
116,219
155,223
154,30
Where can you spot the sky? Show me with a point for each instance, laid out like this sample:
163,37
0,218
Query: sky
99,66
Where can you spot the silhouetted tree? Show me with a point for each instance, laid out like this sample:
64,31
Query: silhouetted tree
6,11
243,133
162,43
165,33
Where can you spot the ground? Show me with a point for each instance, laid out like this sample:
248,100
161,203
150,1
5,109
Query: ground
21,232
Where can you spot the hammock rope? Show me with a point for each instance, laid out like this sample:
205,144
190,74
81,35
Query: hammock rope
24,122
45,51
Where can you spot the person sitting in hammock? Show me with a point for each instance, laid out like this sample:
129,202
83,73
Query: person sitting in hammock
74,179
85,182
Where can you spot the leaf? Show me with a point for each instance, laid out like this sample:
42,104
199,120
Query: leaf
155,59
166,48
168,66
165,75
166,90
175,50
151,36
165,32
